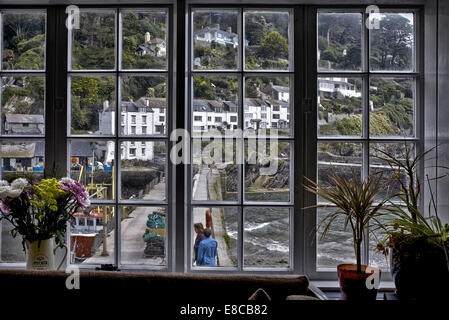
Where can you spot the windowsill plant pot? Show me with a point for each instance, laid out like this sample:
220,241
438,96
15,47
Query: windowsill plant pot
417,243
41,255
355,201
353,284
419,270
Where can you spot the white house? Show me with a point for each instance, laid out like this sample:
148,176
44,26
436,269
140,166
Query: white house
135,119
153,46
337,87
216,36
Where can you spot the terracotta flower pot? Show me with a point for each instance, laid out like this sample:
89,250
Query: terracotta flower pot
353,285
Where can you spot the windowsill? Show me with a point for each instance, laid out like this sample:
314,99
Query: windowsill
334,285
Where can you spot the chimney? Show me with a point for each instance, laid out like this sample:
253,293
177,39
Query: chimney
105,105
147,37
217,26
229,30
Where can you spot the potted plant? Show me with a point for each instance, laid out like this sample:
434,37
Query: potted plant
354,199
417,244
39,212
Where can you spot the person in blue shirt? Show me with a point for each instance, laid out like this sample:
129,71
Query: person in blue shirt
207,251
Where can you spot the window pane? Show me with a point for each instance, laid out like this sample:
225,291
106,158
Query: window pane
143,169
92,164
267,237
267,105
223,223
267,171
143,105
92,238
390,187
337,247
11,248
144,40
392,45
22,158
215,170
23,41
93,44
92,105
215,40
340,107
339,41
215,104
23,100
143,235
267,40
392,107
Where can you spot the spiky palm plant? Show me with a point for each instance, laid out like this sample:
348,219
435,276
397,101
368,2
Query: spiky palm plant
354,199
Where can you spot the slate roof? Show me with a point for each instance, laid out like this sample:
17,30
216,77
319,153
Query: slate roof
81,149
24,118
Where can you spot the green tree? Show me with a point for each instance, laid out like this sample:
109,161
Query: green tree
274,46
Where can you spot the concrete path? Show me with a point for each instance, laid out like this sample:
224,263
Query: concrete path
204,190
132,230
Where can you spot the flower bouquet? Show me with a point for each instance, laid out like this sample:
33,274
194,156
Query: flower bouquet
39,212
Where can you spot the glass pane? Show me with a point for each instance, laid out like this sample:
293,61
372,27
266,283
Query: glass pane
23,41
93,44
143,105
22,158
340,107
143,235
144,40
267,40
11,249
92,236
223,224
92,105
337,247
392,45
215,40
267,106
267,171
392,107
215,170
390,187
23,105
143,168
92,164
215,104
339,41
266,238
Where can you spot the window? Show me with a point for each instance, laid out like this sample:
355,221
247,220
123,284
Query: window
23,107
367,100
129,190
199,118
253,214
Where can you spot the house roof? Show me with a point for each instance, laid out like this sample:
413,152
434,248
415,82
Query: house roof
208,29
281,88
18,150
201,106
132,106
39,149
154,102
81,149
24,118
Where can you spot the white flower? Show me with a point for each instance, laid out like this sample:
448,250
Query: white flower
4,192
66,180
19,183
4,183
14,193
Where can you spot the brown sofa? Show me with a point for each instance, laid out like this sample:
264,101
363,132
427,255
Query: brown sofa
159,286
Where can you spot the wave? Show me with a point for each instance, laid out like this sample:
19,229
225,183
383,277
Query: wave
252,227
